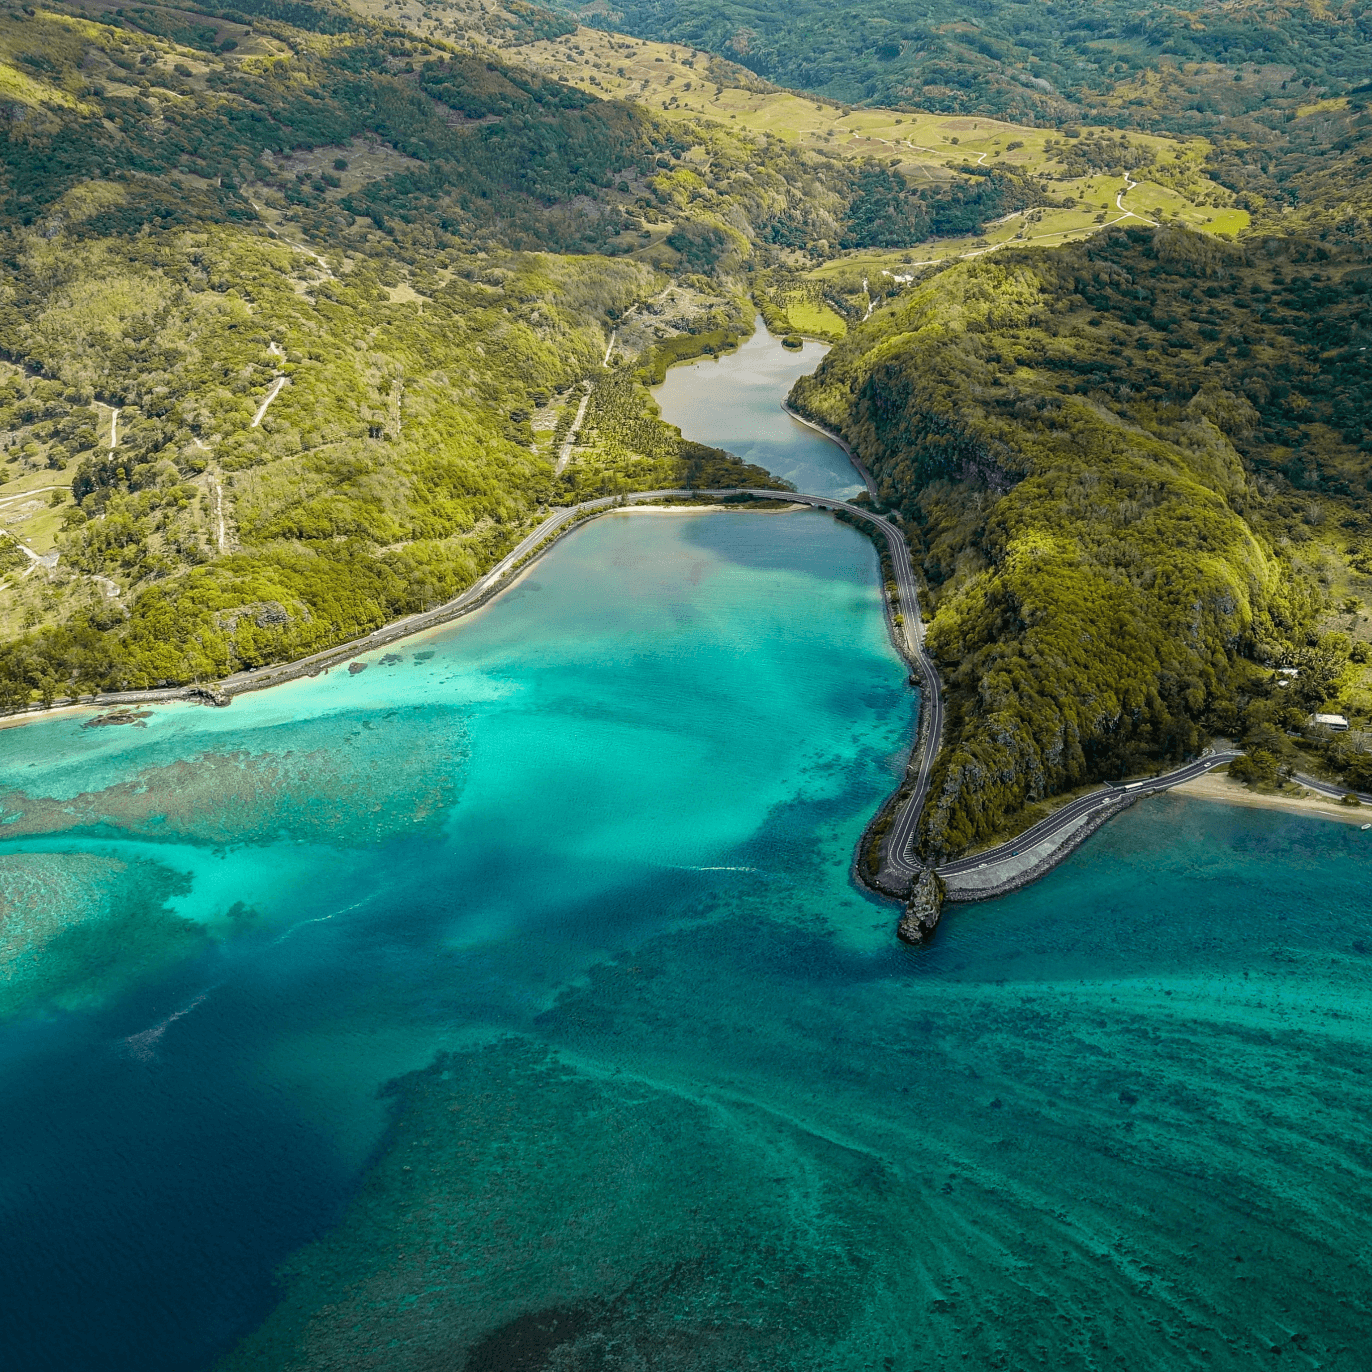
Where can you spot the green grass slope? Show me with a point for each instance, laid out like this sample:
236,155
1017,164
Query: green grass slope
1152,65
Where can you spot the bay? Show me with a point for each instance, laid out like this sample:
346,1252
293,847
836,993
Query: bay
507,1004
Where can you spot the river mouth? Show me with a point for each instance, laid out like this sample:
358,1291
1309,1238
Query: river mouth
508,1002
734,402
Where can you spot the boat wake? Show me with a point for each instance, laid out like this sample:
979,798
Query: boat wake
143,1046
319,919
672,867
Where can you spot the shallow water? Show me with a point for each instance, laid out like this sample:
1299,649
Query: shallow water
507,1006
266,912
734,402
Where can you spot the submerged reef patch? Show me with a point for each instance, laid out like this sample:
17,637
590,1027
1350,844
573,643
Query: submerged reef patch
354,779
73,925
528,1214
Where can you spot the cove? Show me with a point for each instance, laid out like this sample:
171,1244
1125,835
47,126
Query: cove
507,1005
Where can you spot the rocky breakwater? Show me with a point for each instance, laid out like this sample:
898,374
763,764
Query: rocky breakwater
923,909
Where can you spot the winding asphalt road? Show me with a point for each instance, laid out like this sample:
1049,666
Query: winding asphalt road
1068,816
899,859
899,855
558,523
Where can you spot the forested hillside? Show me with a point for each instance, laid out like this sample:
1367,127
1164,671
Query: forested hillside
300,308
1118,460
296,300
1151,65
294,303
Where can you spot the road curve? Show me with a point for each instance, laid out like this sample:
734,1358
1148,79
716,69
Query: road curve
899,846
559,523
1070,814
909,633
899,860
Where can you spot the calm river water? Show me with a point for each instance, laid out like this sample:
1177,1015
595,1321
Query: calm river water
507,1006
734,402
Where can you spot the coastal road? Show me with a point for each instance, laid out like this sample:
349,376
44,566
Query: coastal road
1071,814
557,523
1326,788
899,862
899,858
899,865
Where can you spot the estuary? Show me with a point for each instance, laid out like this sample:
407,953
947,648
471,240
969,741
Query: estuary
734,402
506,1004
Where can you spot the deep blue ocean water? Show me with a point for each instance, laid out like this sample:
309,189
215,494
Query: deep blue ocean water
508,1006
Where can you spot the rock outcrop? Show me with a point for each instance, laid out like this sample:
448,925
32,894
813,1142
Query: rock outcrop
922,912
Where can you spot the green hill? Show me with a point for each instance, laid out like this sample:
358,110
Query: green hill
1153,65
330,278
1127,464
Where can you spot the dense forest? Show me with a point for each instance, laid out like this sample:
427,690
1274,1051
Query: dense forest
1117,460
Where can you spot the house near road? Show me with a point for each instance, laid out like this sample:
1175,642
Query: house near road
1336,723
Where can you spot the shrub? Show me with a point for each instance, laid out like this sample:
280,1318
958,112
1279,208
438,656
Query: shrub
1256,768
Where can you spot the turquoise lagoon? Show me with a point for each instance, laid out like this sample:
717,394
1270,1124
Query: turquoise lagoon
507,1005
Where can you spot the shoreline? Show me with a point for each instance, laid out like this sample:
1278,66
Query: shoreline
1216,787
506,574
825,432
1020,861
966,882
1057,851
19,718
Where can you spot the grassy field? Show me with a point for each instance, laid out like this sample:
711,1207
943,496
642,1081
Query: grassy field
1101,202
27,511
683,83
819,321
